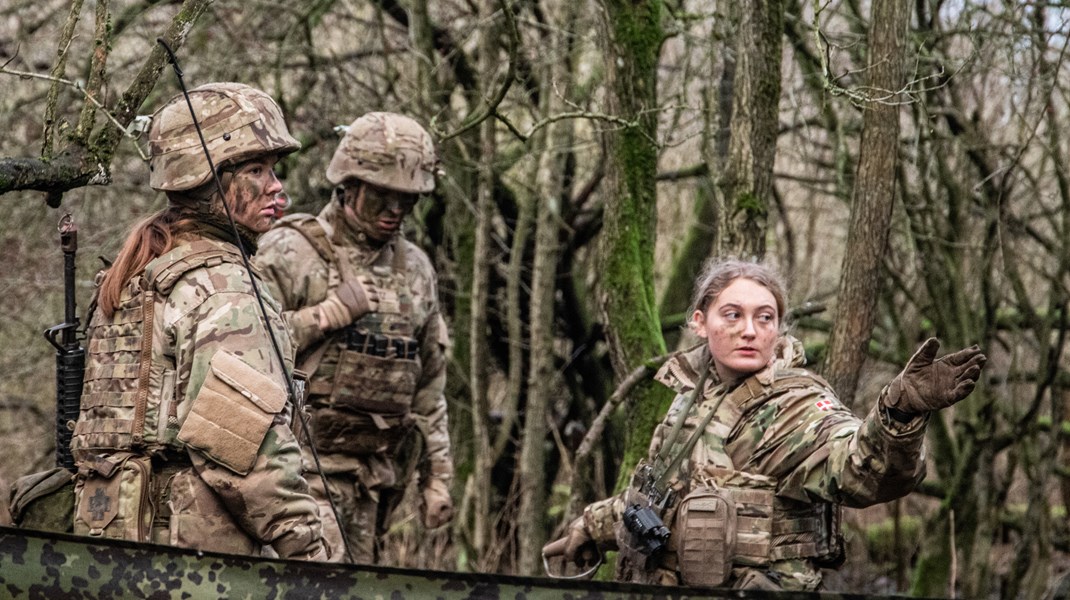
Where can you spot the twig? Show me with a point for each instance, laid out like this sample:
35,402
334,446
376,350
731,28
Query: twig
633,379
510,75
954,557
78,86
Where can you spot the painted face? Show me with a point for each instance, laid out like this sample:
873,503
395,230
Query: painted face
376,211
741,326
253,192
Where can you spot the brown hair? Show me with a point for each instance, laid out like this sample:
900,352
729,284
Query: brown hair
720,273
148,240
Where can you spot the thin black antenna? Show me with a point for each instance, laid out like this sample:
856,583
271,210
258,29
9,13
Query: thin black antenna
294,398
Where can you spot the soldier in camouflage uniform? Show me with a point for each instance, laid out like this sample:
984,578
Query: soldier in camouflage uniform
756,502
184,436
362,304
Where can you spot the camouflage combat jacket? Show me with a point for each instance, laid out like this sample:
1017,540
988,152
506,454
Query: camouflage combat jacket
205,321
301,276
811,449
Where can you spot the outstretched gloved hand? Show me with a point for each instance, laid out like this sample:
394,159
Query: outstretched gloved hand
437,505
926,384
352,299
577,546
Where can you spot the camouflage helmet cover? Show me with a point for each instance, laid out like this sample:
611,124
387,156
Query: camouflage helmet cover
238,123
388,150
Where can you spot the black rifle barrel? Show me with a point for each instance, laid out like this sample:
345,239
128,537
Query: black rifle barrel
70,355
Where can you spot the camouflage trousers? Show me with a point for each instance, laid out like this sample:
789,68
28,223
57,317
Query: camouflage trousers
364,514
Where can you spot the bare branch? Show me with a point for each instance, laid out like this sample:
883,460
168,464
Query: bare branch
510,76
57,72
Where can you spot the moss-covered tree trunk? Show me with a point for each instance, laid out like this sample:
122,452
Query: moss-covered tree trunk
872,199
747,181
633,330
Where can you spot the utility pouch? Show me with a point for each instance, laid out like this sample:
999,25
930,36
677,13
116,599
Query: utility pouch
359,434
113,498
232,413
835,547
706,527
374,384
753,496
43,500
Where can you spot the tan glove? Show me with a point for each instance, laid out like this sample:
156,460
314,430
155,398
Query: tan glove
323,555
352,299
577,546
437,505
926,384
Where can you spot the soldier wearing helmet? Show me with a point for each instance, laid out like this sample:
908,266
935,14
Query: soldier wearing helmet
183,435
362,304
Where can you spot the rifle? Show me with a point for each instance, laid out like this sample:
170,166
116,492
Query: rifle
70,355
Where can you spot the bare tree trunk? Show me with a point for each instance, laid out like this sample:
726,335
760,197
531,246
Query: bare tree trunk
633,331
874,192
557,144
541,381
1062,458
478,354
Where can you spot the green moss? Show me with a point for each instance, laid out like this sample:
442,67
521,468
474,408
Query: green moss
750,204
880,538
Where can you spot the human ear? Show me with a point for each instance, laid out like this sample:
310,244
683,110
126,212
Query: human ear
698,323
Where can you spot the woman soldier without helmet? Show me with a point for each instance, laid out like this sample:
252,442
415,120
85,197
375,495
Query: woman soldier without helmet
756,502
181,381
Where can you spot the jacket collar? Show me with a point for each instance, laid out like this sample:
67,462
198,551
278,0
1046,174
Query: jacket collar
683,369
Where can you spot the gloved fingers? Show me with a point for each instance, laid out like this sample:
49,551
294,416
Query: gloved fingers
555,548
586,555
963,388
971,372
370,291
333,313
925,354
437,504
580,547
966,355
437,517
440,515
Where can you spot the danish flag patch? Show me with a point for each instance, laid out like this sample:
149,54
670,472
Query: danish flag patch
824,404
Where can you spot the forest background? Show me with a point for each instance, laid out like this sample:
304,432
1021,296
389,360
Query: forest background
903,163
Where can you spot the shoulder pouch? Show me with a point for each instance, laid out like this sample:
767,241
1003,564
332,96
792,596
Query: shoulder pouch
232,413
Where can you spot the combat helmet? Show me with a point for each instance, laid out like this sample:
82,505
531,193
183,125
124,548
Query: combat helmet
386,149
238,122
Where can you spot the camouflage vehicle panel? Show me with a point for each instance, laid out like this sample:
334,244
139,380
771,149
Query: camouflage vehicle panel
36,564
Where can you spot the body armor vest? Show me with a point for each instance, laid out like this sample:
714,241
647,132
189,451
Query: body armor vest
128,400
363,377
729,518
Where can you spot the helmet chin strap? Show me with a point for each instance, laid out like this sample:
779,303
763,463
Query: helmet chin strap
295,398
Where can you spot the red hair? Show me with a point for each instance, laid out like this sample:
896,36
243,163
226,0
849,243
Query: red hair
148,240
